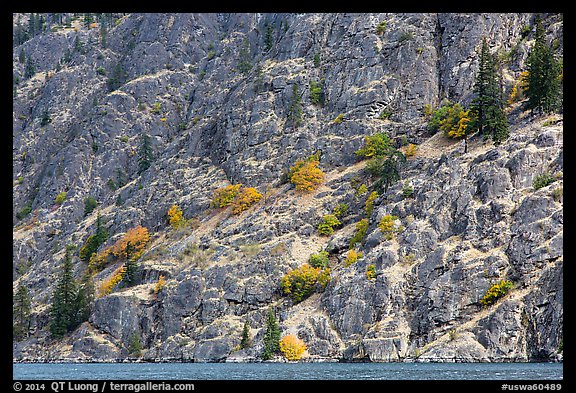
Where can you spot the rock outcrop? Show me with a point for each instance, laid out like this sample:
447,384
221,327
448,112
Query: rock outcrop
213,92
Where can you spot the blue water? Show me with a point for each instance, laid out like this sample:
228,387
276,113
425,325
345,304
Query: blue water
289,371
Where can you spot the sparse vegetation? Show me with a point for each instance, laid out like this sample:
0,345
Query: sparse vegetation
360,234
339,119
381,28
352,257
319,259
329,222
389,227
60,198
495,292
543,180
371,272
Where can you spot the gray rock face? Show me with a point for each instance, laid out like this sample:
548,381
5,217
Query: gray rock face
213,92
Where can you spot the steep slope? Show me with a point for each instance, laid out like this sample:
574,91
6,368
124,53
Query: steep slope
183,79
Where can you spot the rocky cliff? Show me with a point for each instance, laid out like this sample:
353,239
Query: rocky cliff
213,92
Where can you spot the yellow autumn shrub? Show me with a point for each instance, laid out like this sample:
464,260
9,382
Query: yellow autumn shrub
245,198
159,284
224,196
176,217
306,175
108,285
292,347
411,150
352,257
388,226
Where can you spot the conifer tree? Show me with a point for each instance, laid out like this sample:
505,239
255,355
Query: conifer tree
117,78
543,83
246,340
487,107
63,309
145,154
29,69
294,117
244,63
21,312
271,337
131,275
84,298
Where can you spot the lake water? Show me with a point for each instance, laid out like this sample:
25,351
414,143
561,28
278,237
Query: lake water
288,371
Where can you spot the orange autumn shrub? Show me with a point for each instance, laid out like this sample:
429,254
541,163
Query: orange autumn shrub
137,237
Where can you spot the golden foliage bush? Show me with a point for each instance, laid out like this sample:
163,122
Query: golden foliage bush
411,150
245,198
495,292
327,225
388,226
159,284
352,257
108,285
306,175
371,272
176,217
292,347
224,196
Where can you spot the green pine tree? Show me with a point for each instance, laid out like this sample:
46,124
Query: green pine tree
145,154
244,63
63,307
544,70
294,117
246,340
117,78
487,106
271,337
46,119
135,345
131,274
94,241
268,37
21,311
29,69
22,56
84,298
386,169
